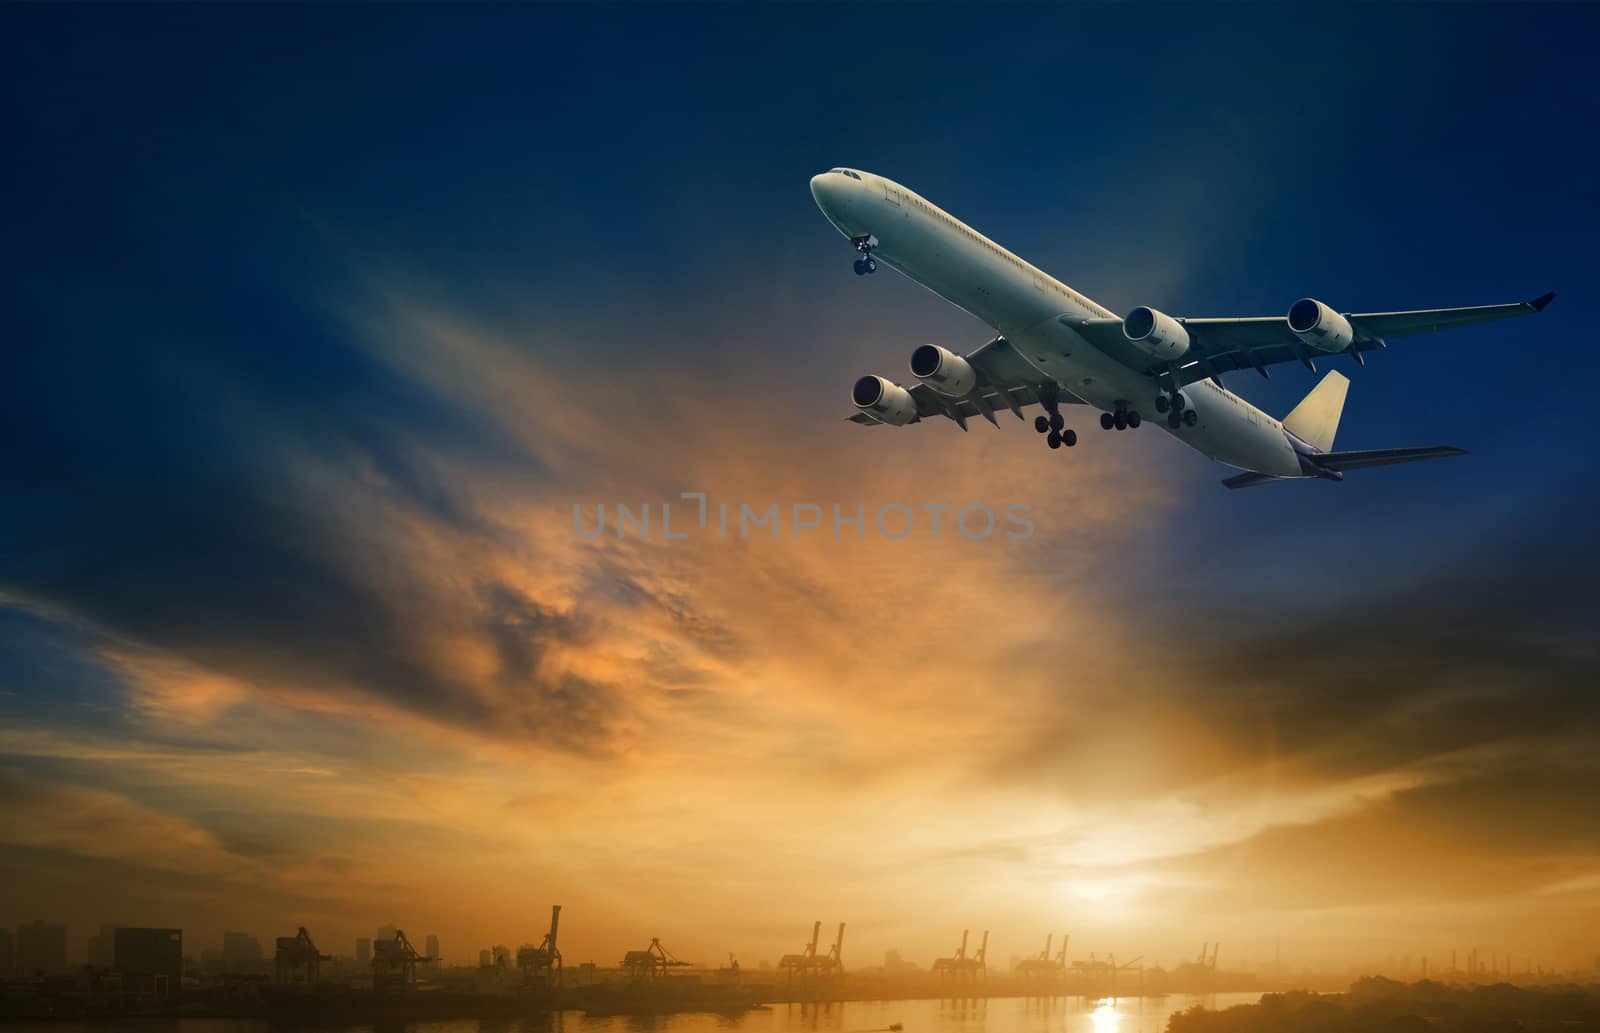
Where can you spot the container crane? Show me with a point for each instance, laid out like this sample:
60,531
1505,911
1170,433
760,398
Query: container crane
297,956
651,963
542,964
394,964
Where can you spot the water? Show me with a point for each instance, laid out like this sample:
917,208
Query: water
995,1015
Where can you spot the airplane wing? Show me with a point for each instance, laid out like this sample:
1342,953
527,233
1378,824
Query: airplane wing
1006,381
1218,346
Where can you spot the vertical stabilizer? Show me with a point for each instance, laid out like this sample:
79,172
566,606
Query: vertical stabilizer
1316,418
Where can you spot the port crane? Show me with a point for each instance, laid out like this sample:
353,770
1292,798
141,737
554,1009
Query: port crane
394,964
808,963
542,964
652,962
297,956
1046,965
963,967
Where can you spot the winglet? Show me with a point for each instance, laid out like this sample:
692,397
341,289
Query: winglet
1538,304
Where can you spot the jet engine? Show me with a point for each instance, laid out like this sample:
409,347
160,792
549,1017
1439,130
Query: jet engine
884,401
1320,326
943,370
1155,333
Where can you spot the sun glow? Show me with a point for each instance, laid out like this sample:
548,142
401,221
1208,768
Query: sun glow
1106,1018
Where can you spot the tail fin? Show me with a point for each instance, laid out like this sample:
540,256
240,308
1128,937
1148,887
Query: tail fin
1316,418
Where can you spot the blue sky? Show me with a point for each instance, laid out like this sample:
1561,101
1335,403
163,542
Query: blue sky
276,271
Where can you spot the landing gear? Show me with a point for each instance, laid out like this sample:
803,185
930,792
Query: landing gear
1120,418
866,263
1177,409
1053,426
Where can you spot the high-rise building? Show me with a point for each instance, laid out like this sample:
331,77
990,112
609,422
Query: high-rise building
41,947
150,961
103,947
433,947
240,949
363,951
8,954
385,932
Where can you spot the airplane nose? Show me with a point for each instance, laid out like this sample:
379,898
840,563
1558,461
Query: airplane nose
820,189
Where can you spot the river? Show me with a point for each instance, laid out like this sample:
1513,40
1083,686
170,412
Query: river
993,1015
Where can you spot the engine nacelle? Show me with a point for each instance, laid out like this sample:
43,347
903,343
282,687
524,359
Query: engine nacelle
943,370
1156,334
1320,326
884,401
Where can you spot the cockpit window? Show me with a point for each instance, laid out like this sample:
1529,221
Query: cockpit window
846,172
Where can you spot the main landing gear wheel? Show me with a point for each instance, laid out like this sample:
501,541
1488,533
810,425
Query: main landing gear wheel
1120,418
1162,403
1054,425
1174,419
1190,417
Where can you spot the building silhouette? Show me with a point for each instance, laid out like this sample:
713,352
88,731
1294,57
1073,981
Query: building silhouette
41,947
103,947
241,949
363,950
150,962
8,954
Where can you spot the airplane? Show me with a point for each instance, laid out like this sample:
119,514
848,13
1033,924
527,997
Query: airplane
1056,347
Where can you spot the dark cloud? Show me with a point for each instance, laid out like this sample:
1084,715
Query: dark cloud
1478,647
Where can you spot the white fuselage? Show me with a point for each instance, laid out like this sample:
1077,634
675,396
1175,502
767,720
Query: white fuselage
1027,306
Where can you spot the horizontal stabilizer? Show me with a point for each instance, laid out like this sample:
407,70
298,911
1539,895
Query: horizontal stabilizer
1342,461
1249,480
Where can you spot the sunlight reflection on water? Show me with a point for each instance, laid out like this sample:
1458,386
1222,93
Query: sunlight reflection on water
995,1015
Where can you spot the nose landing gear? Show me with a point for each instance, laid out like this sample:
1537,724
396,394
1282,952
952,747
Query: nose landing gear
866,263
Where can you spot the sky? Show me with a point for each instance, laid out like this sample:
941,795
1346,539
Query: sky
320,322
